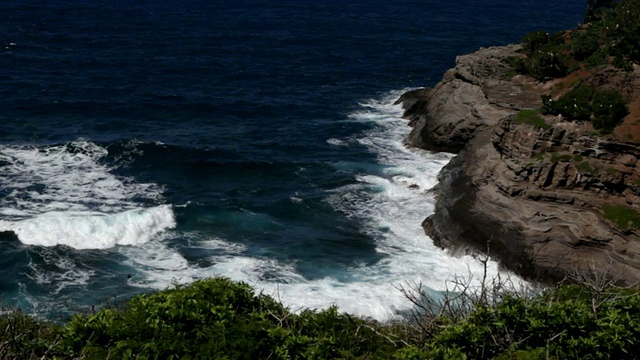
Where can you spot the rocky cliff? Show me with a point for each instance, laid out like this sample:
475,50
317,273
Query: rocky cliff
548,199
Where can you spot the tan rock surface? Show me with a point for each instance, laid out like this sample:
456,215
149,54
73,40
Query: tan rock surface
534,196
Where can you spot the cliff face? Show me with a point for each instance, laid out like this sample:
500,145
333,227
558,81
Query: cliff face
470,96
547,201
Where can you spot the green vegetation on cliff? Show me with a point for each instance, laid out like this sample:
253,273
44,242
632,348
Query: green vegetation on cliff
531,117
622,215
221,319
604,107
610,35
609,38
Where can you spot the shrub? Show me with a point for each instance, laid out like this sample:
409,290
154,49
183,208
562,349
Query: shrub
556,157
608,108
216,317
547,63
585,167
624,29
583,44
617,24
220,319
575,104
517,64
598,58
596,8
533,41
545,56
612,36
571,322
605,108
23,337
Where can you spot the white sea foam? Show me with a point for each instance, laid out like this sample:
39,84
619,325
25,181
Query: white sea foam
63,195
391,205
84,230
390,201
57,270
336,142
374,295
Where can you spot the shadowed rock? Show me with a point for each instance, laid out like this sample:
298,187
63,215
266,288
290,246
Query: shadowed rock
533,196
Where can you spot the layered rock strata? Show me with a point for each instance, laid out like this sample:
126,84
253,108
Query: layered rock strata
548,202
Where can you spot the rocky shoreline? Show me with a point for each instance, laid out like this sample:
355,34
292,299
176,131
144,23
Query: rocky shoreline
538,198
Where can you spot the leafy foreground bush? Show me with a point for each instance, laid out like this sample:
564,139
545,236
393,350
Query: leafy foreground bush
221,319
23,337
567,323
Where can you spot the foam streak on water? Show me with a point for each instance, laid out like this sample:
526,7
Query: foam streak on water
63,195
389,204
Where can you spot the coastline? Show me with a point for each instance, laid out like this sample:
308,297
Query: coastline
533,196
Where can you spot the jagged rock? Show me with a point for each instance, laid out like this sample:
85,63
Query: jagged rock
534,196
472,95
628,160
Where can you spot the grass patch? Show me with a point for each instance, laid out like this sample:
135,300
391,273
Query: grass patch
578,158
555,157
510,73
540,156
584,167
532,117
623,216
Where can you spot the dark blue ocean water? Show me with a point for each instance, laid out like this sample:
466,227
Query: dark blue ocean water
146,143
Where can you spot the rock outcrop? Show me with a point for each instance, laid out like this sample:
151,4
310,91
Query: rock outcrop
470,96
547,201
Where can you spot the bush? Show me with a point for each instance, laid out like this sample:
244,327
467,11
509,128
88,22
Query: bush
23,337
575,104
547,63
624,30
605,108
598,58
583,44
533,41
545,56
518,65
216,317
608,108
612,36
570,322
220,319
596,8
617,25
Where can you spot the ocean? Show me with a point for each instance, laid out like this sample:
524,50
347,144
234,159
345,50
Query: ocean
149,143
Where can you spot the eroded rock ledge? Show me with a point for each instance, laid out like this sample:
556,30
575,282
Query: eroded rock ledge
534,196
